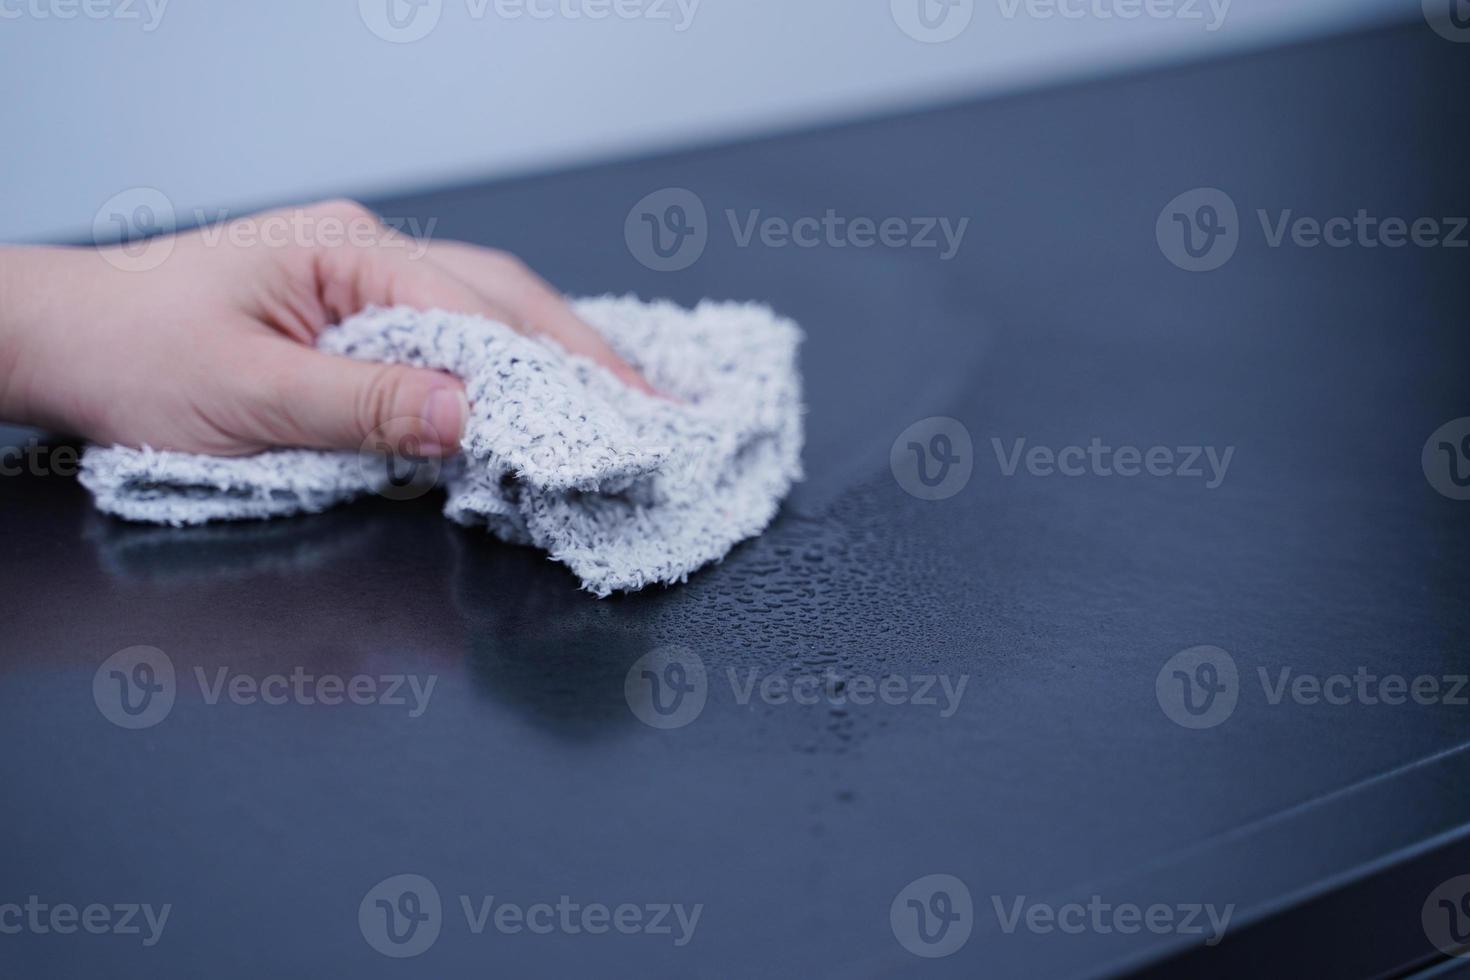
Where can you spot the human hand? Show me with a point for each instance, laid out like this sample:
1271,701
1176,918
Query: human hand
213,350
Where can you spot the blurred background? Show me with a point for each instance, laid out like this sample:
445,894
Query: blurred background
238,106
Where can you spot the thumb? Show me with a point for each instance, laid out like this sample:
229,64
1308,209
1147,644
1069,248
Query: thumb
329,402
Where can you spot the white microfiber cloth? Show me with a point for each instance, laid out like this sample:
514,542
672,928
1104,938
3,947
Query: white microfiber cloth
625,489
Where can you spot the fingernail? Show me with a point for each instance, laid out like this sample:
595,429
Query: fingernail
445,412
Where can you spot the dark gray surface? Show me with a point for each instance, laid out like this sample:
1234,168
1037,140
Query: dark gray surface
1059,777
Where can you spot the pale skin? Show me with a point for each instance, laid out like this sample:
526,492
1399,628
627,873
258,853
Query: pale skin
212,351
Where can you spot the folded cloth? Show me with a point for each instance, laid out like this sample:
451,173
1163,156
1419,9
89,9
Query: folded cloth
625,489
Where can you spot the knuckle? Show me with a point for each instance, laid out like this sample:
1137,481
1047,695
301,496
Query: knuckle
344,209
510,265
375,399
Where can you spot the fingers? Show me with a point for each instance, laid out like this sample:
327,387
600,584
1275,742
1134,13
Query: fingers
532,303
465,278
388,273
321,401
456,276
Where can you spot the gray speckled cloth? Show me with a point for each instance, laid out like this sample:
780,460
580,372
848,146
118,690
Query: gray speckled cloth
625,489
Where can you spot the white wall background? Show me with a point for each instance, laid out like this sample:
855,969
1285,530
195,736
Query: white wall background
236,103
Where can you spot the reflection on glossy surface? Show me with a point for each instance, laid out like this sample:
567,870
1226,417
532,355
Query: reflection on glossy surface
133,553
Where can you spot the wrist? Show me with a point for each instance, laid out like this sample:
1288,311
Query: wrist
14,314
39,291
